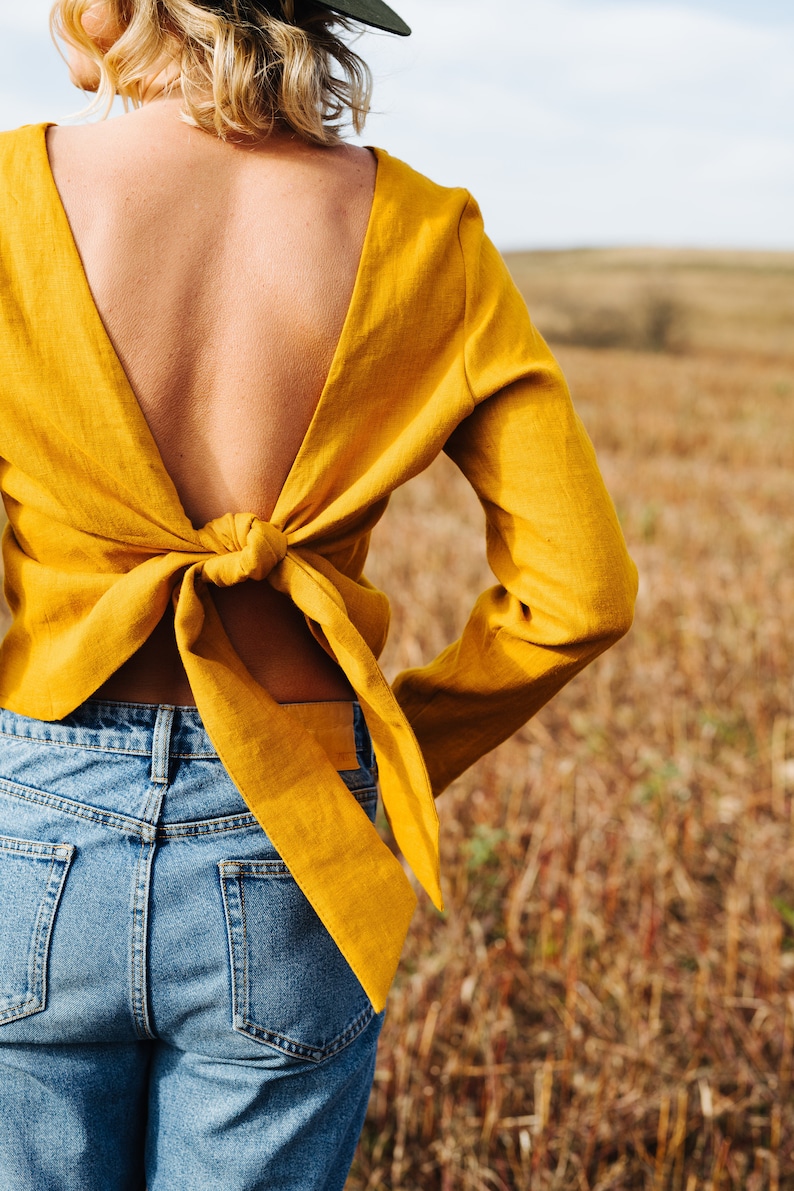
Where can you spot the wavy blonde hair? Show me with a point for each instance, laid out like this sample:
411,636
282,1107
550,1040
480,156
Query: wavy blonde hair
241,69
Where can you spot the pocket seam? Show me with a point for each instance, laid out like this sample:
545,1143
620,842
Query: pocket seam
297,1049
61,855
231,873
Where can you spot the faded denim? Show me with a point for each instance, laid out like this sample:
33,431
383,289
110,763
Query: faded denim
172,1012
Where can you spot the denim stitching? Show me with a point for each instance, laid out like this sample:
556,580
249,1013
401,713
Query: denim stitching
244,925
140,917
161,744
29,847
210,756
254,868
131,826
36,999
232,872
139,1030
35,995
41,937
222,824
229,938
112,819
128,826
68,744
313,1054
237,822
232,900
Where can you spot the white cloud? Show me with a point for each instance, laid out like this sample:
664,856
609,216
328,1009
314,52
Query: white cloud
573,121
578,121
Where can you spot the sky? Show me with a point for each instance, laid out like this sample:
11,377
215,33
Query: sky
573,122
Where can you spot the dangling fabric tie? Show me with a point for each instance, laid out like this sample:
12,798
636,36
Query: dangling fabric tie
356,885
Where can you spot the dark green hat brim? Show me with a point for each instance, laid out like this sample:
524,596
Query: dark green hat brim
371,12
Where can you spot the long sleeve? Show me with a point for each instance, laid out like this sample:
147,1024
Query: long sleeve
566,585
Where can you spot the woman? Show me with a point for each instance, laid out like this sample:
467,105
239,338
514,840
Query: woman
227,337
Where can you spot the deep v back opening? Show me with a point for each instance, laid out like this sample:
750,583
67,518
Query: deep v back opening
122,386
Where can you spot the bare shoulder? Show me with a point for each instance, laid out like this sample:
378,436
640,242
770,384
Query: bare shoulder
360,165
67,140
157,130
342,184
151,156
339,171
82,154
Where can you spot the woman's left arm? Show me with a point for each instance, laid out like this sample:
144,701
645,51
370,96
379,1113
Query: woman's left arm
566,585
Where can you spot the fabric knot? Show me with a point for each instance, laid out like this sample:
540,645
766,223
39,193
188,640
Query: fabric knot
242,547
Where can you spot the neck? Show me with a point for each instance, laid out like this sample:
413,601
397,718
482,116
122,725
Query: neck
165,85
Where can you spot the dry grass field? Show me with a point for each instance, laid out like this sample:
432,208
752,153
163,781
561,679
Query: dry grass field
608,1001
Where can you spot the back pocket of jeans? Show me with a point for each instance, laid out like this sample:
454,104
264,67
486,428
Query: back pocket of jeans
291,986
32,876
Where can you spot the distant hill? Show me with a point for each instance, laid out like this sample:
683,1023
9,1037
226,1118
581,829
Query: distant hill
651,299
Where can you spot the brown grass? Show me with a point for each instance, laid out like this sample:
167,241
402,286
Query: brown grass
657,300
608,1001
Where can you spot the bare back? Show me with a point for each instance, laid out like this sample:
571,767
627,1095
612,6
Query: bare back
223,275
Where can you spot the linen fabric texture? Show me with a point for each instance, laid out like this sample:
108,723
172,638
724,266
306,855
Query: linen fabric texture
437,353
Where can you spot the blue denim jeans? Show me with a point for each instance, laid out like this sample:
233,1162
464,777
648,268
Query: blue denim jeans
173,1015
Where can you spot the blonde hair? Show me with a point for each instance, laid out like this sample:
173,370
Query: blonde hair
241,70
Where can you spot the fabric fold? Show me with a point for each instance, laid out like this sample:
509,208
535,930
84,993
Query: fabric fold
405,785
355,884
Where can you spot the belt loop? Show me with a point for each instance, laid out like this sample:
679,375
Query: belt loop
161,744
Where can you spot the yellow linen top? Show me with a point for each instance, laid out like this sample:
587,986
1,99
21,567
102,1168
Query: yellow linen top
437,353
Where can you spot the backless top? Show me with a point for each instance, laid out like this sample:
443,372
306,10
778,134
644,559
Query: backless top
437,353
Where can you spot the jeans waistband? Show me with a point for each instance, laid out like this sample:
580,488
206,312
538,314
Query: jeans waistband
163,731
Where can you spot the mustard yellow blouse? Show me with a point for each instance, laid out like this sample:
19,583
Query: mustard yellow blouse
437,353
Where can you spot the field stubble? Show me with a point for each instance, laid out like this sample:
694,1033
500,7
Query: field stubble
608,1001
